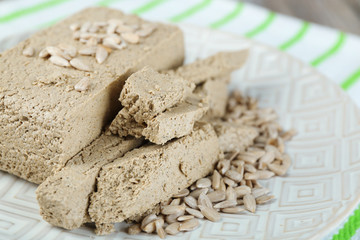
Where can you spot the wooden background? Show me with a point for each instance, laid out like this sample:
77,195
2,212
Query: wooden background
341,14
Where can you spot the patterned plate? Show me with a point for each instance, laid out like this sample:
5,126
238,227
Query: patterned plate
321,189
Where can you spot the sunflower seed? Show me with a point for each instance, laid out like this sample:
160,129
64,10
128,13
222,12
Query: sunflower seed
258,192
44,53
197,192
204,200
250,203
124,29
233,210
222,185
59,61
68,49
148,219
288,135
216,180
185,217
111,43
28,52
172,218
169,210
190,201
130,37
149,228
226,204
88,51
261,174
146,30
242,191
249,183
268,158
54,51
74,27
203,183
230,194
82,85
76,35
93,29
182,193
189,225
229,182
85,27
111,28
134,229
216,196
264,199
223,166
92,42
172,228
80,65
249,168
159,228
101,54
175,202
194,212
210,213
234,175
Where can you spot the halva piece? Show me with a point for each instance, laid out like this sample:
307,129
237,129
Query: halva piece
144,177
44,121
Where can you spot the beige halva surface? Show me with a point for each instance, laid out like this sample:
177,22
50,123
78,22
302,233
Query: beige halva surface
41,124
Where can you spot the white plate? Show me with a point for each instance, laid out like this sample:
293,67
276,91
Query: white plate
321,189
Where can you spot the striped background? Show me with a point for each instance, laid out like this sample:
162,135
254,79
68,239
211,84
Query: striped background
335,54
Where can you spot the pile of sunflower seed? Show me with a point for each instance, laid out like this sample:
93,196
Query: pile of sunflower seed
99,38
233,186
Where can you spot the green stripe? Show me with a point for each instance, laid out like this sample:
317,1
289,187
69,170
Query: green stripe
191,11
106,3
29,10
148,6
351,80
332,51
233,14
298,36
263,26
350,227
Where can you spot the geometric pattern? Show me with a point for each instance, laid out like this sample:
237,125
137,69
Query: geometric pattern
321,189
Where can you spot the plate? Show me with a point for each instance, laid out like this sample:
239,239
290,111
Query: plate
320,190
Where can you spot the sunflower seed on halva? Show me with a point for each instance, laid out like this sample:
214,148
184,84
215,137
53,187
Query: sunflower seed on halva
101,54
79,64
59,61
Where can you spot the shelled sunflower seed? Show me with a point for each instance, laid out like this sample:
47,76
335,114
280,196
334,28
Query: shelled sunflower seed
99,39
233,187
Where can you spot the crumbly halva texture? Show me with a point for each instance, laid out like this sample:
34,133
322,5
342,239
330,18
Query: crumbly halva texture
64,197
147,93
175,122
216,92
217,65
234,137
144,177
42,122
